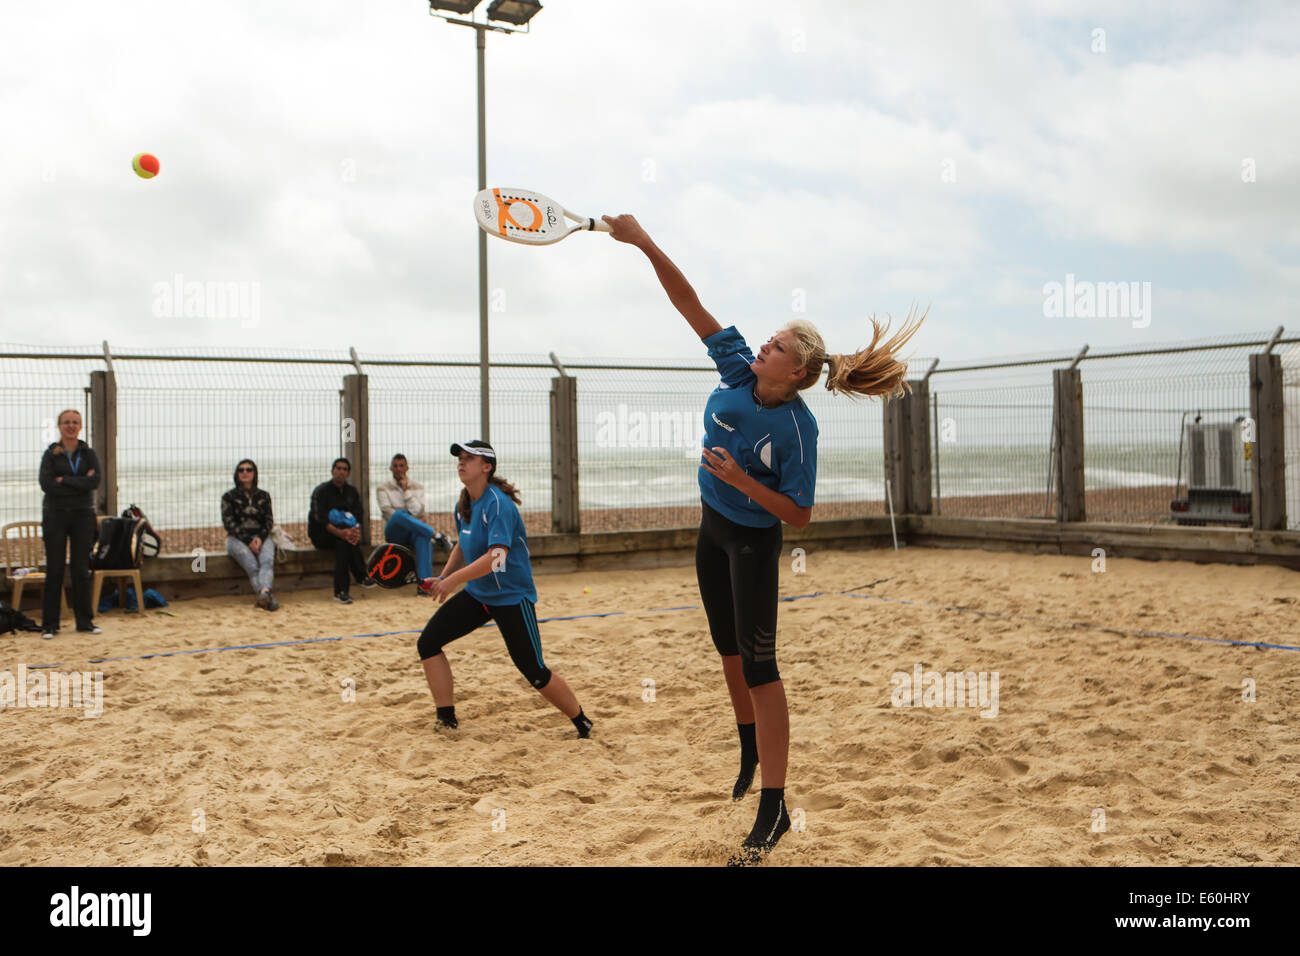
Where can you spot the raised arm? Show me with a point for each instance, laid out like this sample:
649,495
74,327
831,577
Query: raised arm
626,229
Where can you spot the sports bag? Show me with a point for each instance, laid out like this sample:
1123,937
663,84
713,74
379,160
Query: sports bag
119,545
150,543
124,542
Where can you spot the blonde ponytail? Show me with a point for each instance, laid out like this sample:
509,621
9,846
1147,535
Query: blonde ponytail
874,370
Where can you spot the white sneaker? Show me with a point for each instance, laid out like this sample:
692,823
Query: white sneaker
48,635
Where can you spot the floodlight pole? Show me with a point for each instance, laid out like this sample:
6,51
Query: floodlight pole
480,30
485,424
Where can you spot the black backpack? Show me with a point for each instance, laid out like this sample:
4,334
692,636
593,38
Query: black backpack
150,543
124,542
13,620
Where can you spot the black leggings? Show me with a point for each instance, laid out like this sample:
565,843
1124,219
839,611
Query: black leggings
58,528
738,568
518,624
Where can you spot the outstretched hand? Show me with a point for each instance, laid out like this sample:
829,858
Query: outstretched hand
625,228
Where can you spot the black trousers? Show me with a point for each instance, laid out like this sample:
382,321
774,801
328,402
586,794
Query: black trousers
58,529
738,570
347,557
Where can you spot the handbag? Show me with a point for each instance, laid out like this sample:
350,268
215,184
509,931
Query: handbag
283,543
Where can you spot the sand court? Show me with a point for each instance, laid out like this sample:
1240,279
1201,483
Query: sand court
1105,747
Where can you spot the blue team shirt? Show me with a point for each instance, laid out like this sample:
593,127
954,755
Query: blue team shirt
778,446
494,520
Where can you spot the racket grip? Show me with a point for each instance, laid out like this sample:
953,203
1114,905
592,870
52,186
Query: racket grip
599,225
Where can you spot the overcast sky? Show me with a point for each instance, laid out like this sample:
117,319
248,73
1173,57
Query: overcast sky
845,158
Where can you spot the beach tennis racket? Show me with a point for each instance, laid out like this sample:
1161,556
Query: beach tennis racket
391,566
521,215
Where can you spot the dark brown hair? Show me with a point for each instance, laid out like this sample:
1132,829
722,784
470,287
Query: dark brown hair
463,505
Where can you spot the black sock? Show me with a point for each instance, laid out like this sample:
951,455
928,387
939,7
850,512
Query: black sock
772,819
583,723
771,823
447,715
748,760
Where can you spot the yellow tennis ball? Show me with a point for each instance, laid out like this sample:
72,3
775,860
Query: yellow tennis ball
586,590
145,165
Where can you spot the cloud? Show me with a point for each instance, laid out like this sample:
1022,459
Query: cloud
868,155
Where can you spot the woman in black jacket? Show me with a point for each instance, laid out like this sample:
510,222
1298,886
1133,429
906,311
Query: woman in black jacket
69,476
246,514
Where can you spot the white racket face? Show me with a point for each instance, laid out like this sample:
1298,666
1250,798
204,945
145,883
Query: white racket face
521,215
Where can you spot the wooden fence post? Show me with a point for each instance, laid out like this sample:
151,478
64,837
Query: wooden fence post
896,447
1268,456
355,442
566,516
917,410
907,449
1067,425
103,438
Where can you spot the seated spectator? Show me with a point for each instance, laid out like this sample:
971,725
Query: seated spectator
334,524
401,502
246,513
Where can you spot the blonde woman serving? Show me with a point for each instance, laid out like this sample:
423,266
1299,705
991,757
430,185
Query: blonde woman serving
758,469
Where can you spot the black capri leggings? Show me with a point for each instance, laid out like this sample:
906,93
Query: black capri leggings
518,623
738,567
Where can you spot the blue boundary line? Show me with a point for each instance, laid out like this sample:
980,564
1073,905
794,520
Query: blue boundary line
695,607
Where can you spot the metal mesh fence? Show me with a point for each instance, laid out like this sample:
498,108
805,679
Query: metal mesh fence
638,445
991,432
419,410
35,389
992,428
1136,413
183,425
185,419
990,456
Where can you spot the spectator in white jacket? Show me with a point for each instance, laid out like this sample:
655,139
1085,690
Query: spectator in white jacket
401,503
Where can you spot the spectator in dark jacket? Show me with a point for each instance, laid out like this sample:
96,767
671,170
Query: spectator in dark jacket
330,530
246,513
69,476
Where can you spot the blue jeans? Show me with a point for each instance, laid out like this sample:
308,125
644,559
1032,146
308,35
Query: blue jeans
415,534
259,567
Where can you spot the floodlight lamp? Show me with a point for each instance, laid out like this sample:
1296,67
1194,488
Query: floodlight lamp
518,12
